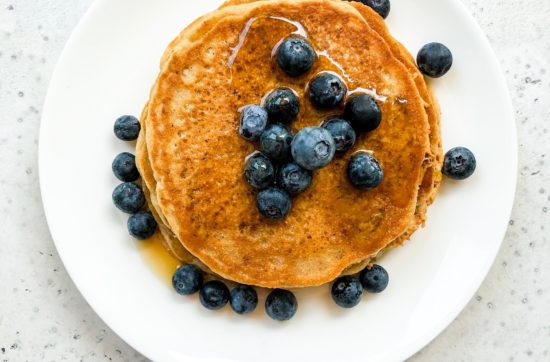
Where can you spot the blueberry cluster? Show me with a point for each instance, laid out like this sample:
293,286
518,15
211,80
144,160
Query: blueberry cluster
435,60
128,197
284,165
280,304
347,290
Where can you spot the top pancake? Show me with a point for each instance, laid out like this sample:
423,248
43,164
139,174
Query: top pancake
197,156
432,162
432,174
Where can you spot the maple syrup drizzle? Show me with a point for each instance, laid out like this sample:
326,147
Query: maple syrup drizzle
300,30
161,261
325,54
242,37
371,92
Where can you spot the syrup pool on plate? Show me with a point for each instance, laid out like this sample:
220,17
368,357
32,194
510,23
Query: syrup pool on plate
157,257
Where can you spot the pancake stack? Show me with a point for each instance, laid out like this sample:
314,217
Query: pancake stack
191,157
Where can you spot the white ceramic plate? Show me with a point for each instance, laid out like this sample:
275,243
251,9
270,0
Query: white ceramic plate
107,69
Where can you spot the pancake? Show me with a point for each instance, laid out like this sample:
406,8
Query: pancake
432,174
433,160
197,156
426,185
416,220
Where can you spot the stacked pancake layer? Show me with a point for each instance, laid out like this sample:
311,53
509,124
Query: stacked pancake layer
191,157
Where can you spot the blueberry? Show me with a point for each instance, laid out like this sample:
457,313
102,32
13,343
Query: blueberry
124,167
375,279
342,133
142,225
295,56
128,197
327,90
259,171
243,299
127,128
434,60
347,291
281,305
187,279
214,295
364,171
253,122
293,178
282,105
459,163
273,203
363,112
275,142
313,148
382,7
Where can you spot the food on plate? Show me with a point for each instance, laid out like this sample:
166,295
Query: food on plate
327,90
273,203
364,171
295,56
124,167
293,178
459,163
282,105
127,128
347,291
434,60
187,279
286,144
374,279
342,132
128,197
243,299
214,295
275,142
281,305
142,225
313,148
259,171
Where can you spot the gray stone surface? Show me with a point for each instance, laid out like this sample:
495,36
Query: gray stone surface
44,318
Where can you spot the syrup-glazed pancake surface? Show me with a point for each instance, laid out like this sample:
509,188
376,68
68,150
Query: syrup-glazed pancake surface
197,157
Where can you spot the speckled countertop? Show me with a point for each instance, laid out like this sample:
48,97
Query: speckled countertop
44,318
